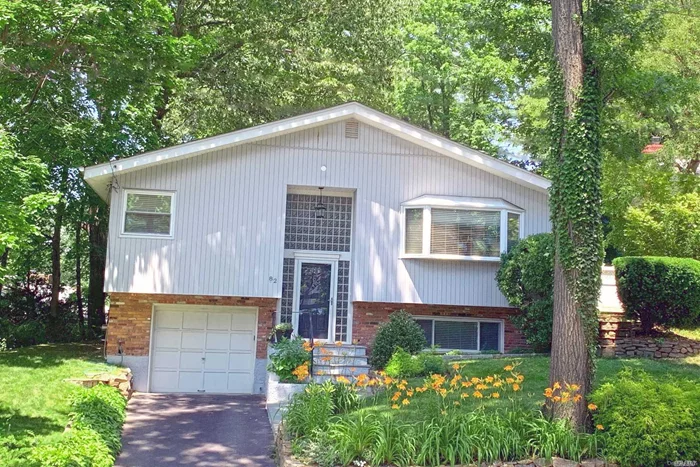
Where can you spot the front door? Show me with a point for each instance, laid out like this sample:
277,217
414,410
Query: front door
314,298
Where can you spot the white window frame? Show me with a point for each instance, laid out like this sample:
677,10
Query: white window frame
501,331
463,204
130,191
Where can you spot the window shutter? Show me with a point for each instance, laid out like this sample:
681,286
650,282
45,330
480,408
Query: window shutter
456,335
465,233
414,231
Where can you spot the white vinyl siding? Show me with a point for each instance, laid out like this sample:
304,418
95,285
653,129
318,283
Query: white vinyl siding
230,217
148,213
471,335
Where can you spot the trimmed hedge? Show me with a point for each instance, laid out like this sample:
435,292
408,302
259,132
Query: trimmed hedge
93,438
526,278
646,421
659,290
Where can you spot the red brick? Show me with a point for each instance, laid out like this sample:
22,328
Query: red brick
130,318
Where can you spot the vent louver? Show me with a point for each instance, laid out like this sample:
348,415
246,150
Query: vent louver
352,129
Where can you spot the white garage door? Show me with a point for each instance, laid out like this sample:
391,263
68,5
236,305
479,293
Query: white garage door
208,349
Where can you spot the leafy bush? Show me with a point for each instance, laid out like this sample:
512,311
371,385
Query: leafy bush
400,331
648,422
309,410
93,439
432,363
403,364
526,278
659,290
289,354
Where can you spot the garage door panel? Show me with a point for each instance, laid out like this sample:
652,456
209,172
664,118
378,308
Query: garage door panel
240,363
239,384
216,361
169,319
166,359
219,321
191,360
167,339
194,320
217,341
189,381
164,381
197,349
241,341
193,339
243,321
215,382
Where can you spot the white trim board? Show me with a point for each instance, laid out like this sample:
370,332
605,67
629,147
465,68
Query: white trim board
99,176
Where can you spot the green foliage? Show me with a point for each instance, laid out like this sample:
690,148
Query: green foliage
93,439
648,421
669,228
403,364
22,335
288,355
432,363
401,331
526,278
659,290
455,438
310,410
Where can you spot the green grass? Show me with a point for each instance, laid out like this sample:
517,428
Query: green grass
688,333
34,398
536,372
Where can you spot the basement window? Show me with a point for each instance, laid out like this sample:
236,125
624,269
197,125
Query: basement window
444,227
148,213
470,335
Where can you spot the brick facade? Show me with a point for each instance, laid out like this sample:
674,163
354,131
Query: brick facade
130,318
367,316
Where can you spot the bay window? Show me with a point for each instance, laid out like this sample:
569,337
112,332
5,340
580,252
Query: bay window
459,228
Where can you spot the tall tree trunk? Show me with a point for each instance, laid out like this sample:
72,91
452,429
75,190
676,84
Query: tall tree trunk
3,263
56,258
78,277
97,233
575,227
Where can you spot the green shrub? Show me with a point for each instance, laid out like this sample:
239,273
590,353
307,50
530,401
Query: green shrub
309,410
648,422
432,363
93,439
659,290
288,355
400,331
526,278
403,364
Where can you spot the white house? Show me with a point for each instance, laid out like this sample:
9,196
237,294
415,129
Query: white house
330,220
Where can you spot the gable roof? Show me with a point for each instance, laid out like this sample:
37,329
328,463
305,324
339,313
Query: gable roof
99,176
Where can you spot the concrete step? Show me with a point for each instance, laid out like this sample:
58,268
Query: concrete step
332,369
345,349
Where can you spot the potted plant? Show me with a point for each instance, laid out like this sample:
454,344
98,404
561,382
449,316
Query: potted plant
280,331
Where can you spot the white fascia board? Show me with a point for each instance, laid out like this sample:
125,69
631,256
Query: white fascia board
213,143
449,148
461,202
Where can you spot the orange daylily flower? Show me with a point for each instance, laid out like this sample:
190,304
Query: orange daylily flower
592,406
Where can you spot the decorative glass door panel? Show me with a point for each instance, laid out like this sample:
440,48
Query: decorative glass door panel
315,291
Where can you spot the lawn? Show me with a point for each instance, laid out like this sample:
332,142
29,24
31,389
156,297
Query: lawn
685,373
34,398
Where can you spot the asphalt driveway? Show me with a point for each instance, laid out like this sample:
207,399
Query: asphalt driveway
196,430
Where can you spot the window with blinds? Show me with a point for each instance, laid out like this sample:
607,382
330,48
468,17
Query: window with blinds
465,233
414,231
513,229
148,213
470,335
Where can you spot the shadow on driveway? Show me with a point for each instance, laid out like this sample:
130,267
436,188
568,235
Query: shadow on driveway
196,430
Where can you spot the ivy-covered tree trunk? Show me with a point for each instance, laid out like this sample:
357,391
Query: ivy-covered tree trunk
97,233
575,204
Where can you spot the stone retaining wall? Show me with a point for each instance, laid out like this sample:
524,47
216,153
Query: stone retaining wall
620,337
121,380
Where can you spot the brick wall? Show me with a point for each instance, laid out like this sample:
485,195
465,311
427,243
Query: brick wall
367,316
130,318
